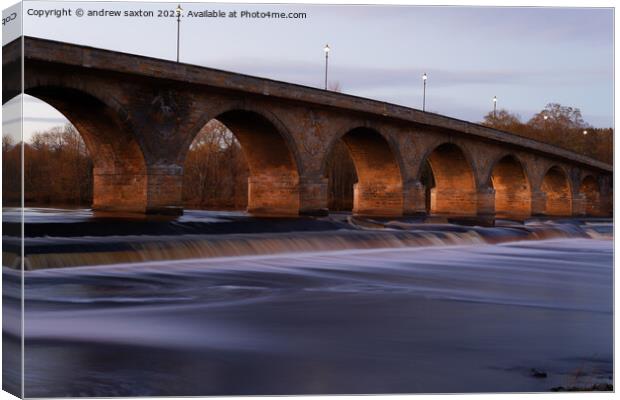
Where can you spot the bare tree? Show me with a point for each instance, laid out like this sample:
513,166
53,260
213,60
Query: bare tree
560,126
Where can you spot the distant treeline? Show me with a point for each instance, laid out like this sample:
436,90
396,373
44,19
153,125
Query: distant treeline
59,171
560,126
216,173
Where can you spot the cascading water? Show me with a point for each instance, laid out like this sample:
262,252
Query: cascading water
49,251
349,306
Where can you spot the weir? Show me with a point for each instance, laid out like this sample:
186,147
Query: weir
85,242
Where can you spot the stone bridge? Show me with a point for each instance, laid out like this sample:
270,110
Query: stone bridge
139,115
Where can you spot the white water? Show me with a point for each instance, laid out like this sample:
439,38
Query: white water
474,317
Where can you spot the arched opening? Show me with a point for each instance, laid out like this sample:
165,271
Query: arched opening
89,159
428,180
454,190
378,189
241,160
512,189
556,187
341,178
12,127
215,174
590,191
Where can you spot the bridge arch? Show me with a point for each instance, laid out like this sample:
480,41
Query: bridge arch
453,181
273,182
590,191
119,169
557,189
513,194
264,113
379,187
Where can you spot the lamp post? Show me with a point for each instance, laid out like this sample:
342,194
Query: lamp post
179,12
424,78
494,107
326,49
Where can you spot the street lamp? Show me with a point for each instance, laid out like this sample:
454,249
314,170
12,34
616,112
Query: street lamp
585,132
424,78
326,49
494,107
179,12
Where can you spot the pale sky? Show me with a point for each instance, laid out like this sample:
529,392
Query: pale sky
527,57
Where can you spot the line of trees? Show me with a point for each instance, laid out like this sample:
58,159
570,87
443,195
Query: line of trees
11,176
216,173
57,169
558,125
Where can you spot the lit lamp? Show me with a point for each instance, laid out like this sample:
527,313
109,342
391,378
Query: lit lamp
179,12
585,132
424,78
326,49
494,106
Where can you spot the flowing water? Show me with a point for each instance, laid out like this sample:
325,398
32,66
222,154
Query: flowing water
362,307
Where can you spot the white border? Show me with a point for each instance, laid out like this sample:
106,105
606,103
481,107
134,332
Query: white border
489,3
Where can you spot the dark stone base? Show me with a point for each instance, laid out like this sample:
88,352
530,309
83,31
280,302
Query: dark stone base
174,211
319,212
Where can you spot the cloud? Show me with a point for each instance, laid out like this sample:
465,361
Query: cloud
45,120
360,77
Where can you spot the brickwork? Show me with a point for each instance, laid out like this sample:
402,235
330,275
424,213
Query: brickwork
557,191
590,197
455,185
512,189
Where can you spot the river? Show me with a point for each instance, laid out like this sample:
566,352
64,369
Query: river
409,309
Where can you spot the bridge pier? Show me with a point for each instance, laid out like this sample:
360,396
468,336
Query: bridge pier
164,189
378,199
538,203
313,197
414,198
513,203
273,196
485,201
579,205
606,204
599,206
559,204
454,201
118,191
156,192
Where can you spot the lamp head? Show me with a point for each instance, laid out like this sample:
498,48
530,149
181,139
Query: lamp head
425,77
326,49
179,10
